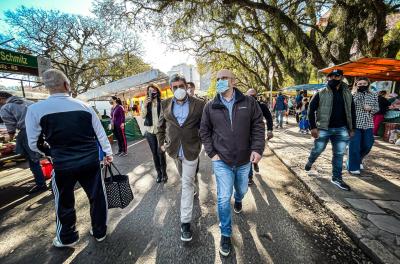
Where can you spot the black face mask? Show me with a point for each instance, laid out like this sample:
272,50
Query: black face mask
362,89
333,83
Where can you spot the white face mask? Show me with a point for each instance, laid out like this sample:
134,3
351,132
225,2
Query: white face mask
180,94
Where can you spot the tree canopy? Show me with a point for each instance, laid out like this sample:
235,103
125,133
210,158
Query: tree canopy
89,50
291,38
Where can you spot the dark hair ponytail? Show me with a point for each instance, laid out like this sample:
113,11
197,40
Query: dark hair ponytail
118,100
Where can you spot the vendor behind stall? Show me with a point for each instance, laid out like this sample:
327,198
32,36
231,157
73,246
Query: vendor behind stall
13,113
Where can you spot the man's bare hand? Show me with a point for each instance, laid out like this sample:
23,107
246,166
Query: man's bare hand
315,133
270,135
255,157
108,160
215,158
162,147
351,133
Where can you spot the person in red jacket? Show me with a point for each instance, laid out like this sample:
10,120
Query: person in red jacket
118,125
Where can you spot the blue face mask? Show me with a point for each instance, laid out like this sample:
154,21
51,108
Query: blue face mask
222,86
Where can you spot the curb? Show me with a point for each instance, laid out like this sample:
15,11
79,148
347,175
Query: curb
372,247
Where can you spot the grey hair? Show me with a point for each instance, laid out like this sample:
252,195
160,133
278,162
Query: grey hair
54,79
176,78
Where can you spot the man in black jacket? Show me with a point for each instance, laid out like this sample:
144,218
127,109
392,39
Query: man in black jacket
232,131
331,114
268,117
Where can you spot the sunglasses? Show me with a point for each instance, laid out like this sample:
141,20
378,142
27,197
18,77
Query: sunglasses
179,86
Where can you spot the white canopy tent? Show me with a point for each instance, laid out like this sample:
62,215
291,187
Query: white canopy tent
128,84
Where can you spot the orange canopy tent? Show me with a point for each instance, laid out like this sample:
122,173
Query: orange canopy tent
377,69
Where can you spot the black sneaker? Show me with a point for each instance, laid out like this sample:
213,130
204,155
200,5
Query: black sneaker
165,178
123,154
341,184
225,246
256,168
251,182
159,179
37,189
186,234
307,167
237,208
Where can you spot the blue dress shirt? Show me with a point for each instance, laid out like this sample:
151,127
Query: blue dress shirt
181,112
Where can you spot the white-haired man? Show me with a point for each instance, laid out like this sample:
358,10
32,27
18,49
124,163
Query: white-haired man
73,132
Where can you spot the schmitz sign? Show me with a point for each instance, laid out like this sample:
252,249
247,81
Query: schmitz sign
11,61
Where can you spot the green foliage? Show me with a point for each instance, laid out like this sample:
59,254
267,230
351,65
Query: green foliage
252,37
89,50
212,90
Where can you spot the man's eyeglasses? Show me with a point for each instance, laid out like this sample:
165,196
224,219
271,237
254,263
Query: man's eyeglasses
179,86
223,78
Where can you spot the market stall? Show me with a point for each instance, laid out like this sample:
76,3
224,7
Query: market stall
7,149
132,92
379,69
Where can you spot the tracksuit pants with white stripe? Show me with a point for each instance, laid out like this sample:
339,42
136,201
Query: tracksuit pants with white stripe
63,182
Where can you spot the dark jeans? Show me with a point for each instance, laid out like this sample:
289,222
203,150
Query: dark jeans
33,157
158,155
359,147
63,183
251,172
119,134
339,138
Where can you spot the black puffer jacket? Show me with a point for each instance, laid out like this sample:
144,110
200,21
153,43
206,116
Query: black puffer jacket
233,143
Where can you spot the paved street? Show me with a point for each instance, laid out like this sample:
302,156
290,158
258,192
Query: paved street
281,222
371,211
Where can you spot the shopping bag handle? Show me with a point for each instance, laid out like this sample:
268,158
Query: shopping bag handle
108,167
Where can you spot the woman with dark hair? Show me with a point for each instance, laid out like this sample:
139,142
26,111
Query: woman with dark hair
150,113
366,104
118,125
383,108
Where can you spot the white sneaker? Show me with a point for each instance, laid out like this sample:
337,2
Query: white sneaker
59,244
356,172
361,167
98,239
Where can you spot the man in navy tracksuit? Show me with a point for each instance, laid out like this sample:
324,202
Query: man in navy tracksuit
73,132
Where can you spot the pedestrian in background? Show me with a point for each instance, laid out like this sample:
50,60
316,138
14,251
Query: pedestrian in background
73,131
280,108
233,134
304,123
383,108
366,104
178,135
118,125
268,118
151,112
298,104
332,118
191,92
13,113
